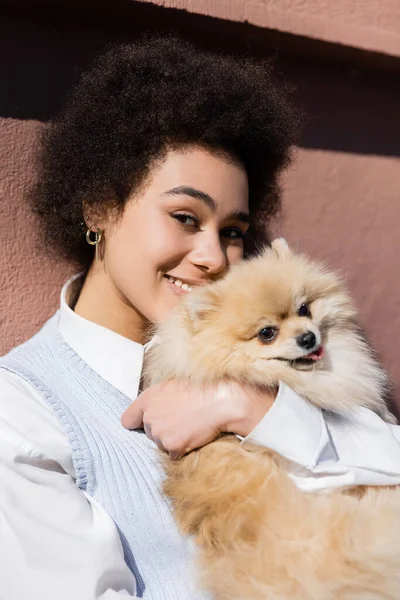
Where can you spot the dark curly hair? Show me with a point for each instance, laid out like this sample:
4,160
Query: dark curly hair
137,101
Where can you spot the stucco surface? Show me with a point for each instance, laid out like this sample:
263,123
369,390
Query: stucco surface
368,24
376,14
29,279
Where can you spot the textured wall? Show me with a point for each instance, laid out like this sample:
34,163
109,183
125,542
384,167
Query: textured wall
369,24
340,195
30,280
377,14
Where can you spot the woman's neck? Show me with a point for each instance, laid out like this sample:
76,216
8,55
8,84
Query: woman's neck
100,302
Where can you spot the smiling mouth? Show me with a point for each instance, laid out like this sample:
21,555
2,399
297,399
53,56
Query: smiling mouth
309,360
183,286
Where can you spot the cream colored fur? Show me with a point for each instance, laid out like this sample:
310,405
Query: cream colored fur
259,537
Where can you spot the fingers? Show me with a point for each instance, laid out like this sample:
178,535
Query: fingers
159,445
156,440
147,430
175,453
132,418
174,423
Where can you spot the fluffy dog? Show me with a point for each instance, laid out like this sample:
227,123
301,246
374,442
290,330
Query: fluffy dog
278,317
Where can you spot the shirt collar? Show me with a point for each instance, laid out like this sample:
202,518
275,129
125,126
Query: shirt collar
115,358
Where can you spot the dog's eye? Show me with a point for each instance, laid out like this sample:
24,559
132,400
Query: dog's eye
304,311
267,334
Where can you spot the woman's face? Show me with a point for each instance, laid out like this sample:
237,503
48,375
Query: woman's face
183,229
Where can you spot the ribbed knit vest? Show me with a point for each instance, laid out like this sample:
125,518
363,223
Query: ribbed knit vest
118,468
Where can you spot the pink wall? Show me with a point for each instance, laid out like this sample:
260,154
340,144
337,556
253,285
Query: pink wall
29,279
368,24
340,196
382,14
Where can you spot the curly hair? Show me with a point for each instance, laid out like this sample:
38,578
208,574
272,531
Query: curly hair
137,101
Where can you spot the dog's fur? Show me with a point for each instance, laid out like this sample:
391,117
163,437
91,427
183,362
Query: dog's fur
259,536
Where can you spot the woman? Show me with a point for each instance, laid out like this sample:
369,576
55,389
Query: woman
163,161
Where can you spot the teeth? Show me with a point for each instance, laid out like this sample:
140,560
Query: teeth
180,284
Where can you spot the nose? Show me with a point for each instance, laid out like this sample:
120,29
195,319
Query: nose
210,255
306,340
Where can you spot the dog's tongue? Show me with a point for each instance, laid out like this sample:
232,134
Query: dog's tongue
316,354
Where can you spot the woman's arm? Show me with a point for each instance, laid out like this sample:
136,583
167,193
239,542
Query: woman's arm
329,450
321,449
55,542
180,417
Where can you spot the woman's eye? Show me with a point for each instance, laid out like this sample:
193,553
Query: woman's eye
267,334
233,233
304,311
186,220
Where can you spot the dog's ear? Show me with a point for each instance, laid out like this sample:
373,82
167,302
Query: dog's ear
281,247
200,304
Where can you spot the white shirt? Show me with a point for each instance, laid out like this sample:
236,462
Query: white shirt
57,543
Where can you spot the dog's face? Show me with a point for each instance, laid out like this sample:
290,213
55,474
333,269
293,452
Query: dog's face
279,307
276,318
288,334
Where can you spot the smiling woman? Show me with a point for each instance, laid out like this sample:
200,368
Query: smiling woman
186,234
161,168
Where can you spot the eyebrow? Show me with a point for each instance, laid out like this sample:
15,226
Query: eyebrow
185,190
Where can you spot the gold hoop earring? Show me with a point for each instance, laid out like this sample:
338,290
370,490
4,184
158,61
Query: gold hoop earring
96,241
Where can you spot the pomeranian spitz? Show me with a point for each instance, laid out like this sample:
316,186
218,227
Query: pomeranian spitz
278,317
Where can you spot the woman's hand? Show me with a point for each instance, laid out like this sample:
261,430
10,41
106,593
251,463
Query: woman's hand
180,417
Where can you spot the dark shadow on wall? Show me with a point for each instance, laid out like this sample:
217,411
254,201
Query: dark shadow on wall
349,108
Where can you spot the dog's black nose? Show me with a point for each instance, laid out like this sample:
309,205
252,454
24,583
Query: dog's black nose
306,340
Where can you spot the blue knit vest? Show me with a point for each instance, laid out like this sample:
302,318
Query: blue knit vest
119,468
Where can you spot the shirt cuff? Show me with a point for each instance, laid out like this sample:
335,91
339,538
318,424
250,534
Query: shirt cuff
295,429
